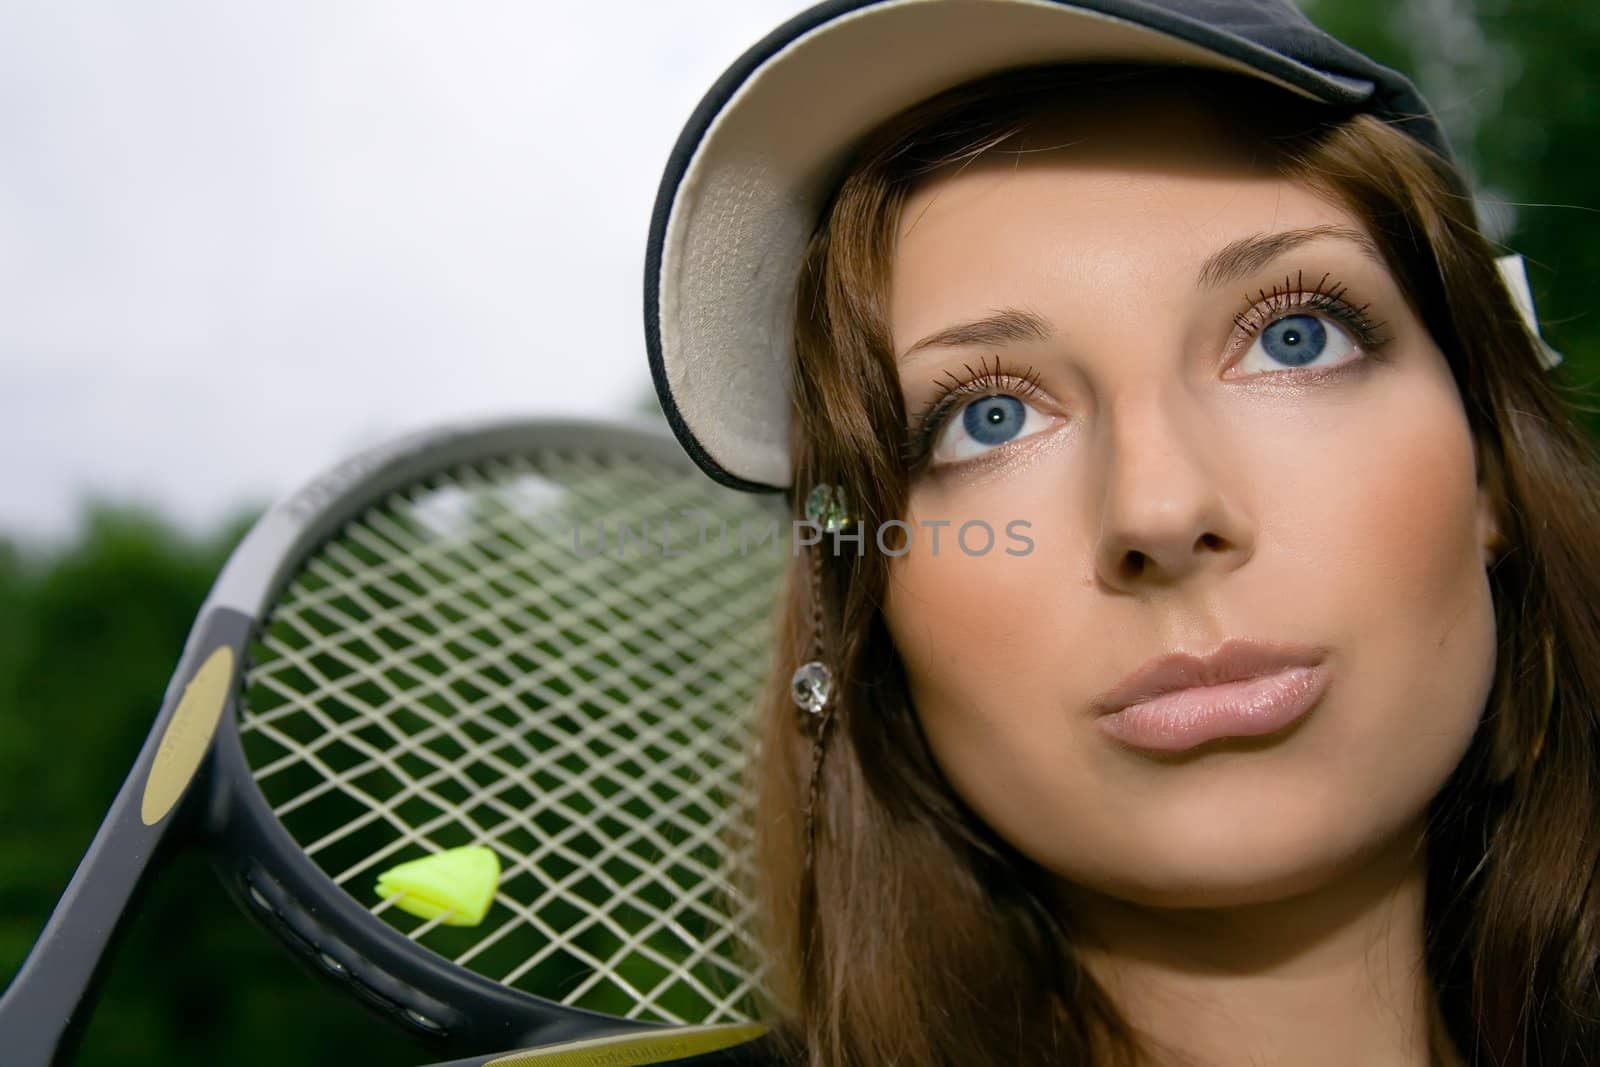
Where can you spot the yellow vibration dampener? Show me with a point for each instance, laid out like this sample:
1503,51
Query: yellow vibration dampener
455,886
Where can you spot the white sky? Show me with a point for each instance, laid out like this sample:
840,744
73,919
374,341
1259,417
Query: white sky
240,240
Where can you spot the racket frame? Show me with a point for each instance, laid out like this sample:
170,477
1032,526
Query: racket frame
220,807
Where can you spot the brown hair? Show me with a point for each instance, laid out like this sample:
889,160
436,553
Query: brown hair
919,936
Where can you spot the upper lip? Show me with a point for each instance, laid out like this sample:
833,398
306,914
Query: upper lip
1234,661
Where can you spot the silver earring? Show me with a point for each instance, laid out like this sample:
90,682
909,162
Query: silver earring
811,685
825,506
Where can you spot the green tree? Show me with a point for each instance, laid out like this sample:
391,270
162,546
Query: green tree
89,636
1515,83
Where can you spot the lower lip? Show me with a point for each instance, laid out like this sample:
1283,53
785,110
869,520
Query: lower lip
1180,720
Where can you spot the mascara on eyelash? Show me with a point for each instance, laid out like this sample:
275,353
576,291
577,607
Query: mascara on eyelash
934,415
1294,295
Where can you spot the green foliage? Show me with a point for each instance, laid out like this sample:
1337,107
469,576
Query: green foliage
89,636
1514,81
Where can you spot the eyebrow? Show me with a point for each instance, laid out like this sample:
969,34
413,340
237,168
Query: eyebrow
1241,258
1235,260
1003,327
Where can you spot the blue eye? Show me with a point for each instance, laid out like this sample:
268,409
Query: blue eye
1296,340
994,420
986,423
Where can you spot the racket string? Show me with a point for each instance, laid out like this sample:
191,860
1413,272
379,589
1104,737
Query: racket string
575,661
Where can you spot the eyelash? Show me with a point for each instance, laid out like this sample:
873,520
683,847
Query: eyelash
1321,297
1271,306
985,381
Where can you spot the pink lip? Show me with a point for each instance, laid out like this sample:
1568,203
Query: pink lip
1184,718
1245,688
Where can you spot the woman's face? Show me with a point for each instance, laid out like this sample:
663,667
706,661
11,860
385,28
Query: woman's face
1197,459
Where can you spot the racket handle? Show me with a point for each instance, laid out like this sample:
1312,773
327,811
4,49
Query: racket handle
43,1011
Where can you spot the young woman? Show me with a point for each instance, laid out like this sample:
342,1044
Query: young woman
1200,665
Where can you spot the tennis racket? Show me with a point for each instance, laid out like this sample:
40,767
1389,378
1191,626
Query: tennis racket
465,721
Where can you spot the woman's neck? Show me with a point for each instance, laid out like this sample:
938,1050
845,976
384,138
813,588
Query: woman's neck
1334,975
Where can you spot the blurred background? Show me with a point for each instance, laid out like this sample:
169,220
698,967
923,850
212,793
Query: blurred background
240,241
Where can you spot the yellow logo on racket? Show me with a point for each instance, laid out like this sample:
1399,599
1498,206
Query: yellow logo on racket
188,736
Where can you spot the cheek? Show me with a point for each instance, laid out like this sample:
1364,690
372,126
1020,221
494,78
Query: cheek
961,615
986,638
1407,591
1392,510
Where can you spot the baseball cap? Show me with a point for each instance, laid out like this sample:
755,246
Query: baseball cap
759,158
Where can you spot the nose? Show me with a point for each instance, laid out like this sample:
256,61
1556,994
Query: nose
1167,515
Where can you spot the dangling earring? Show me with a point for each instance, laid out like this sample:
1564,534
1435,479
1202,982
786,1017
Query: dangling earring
812,683
812,686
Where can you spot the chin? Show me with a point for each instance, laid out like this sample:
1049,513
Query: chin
1200,861
1214,885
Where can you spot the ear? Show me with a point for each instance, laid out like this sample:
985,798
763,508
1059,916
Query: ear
1491,506
1493,542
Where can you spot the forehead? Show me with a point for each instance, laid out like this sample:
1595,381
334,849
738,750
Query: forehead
1118,198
